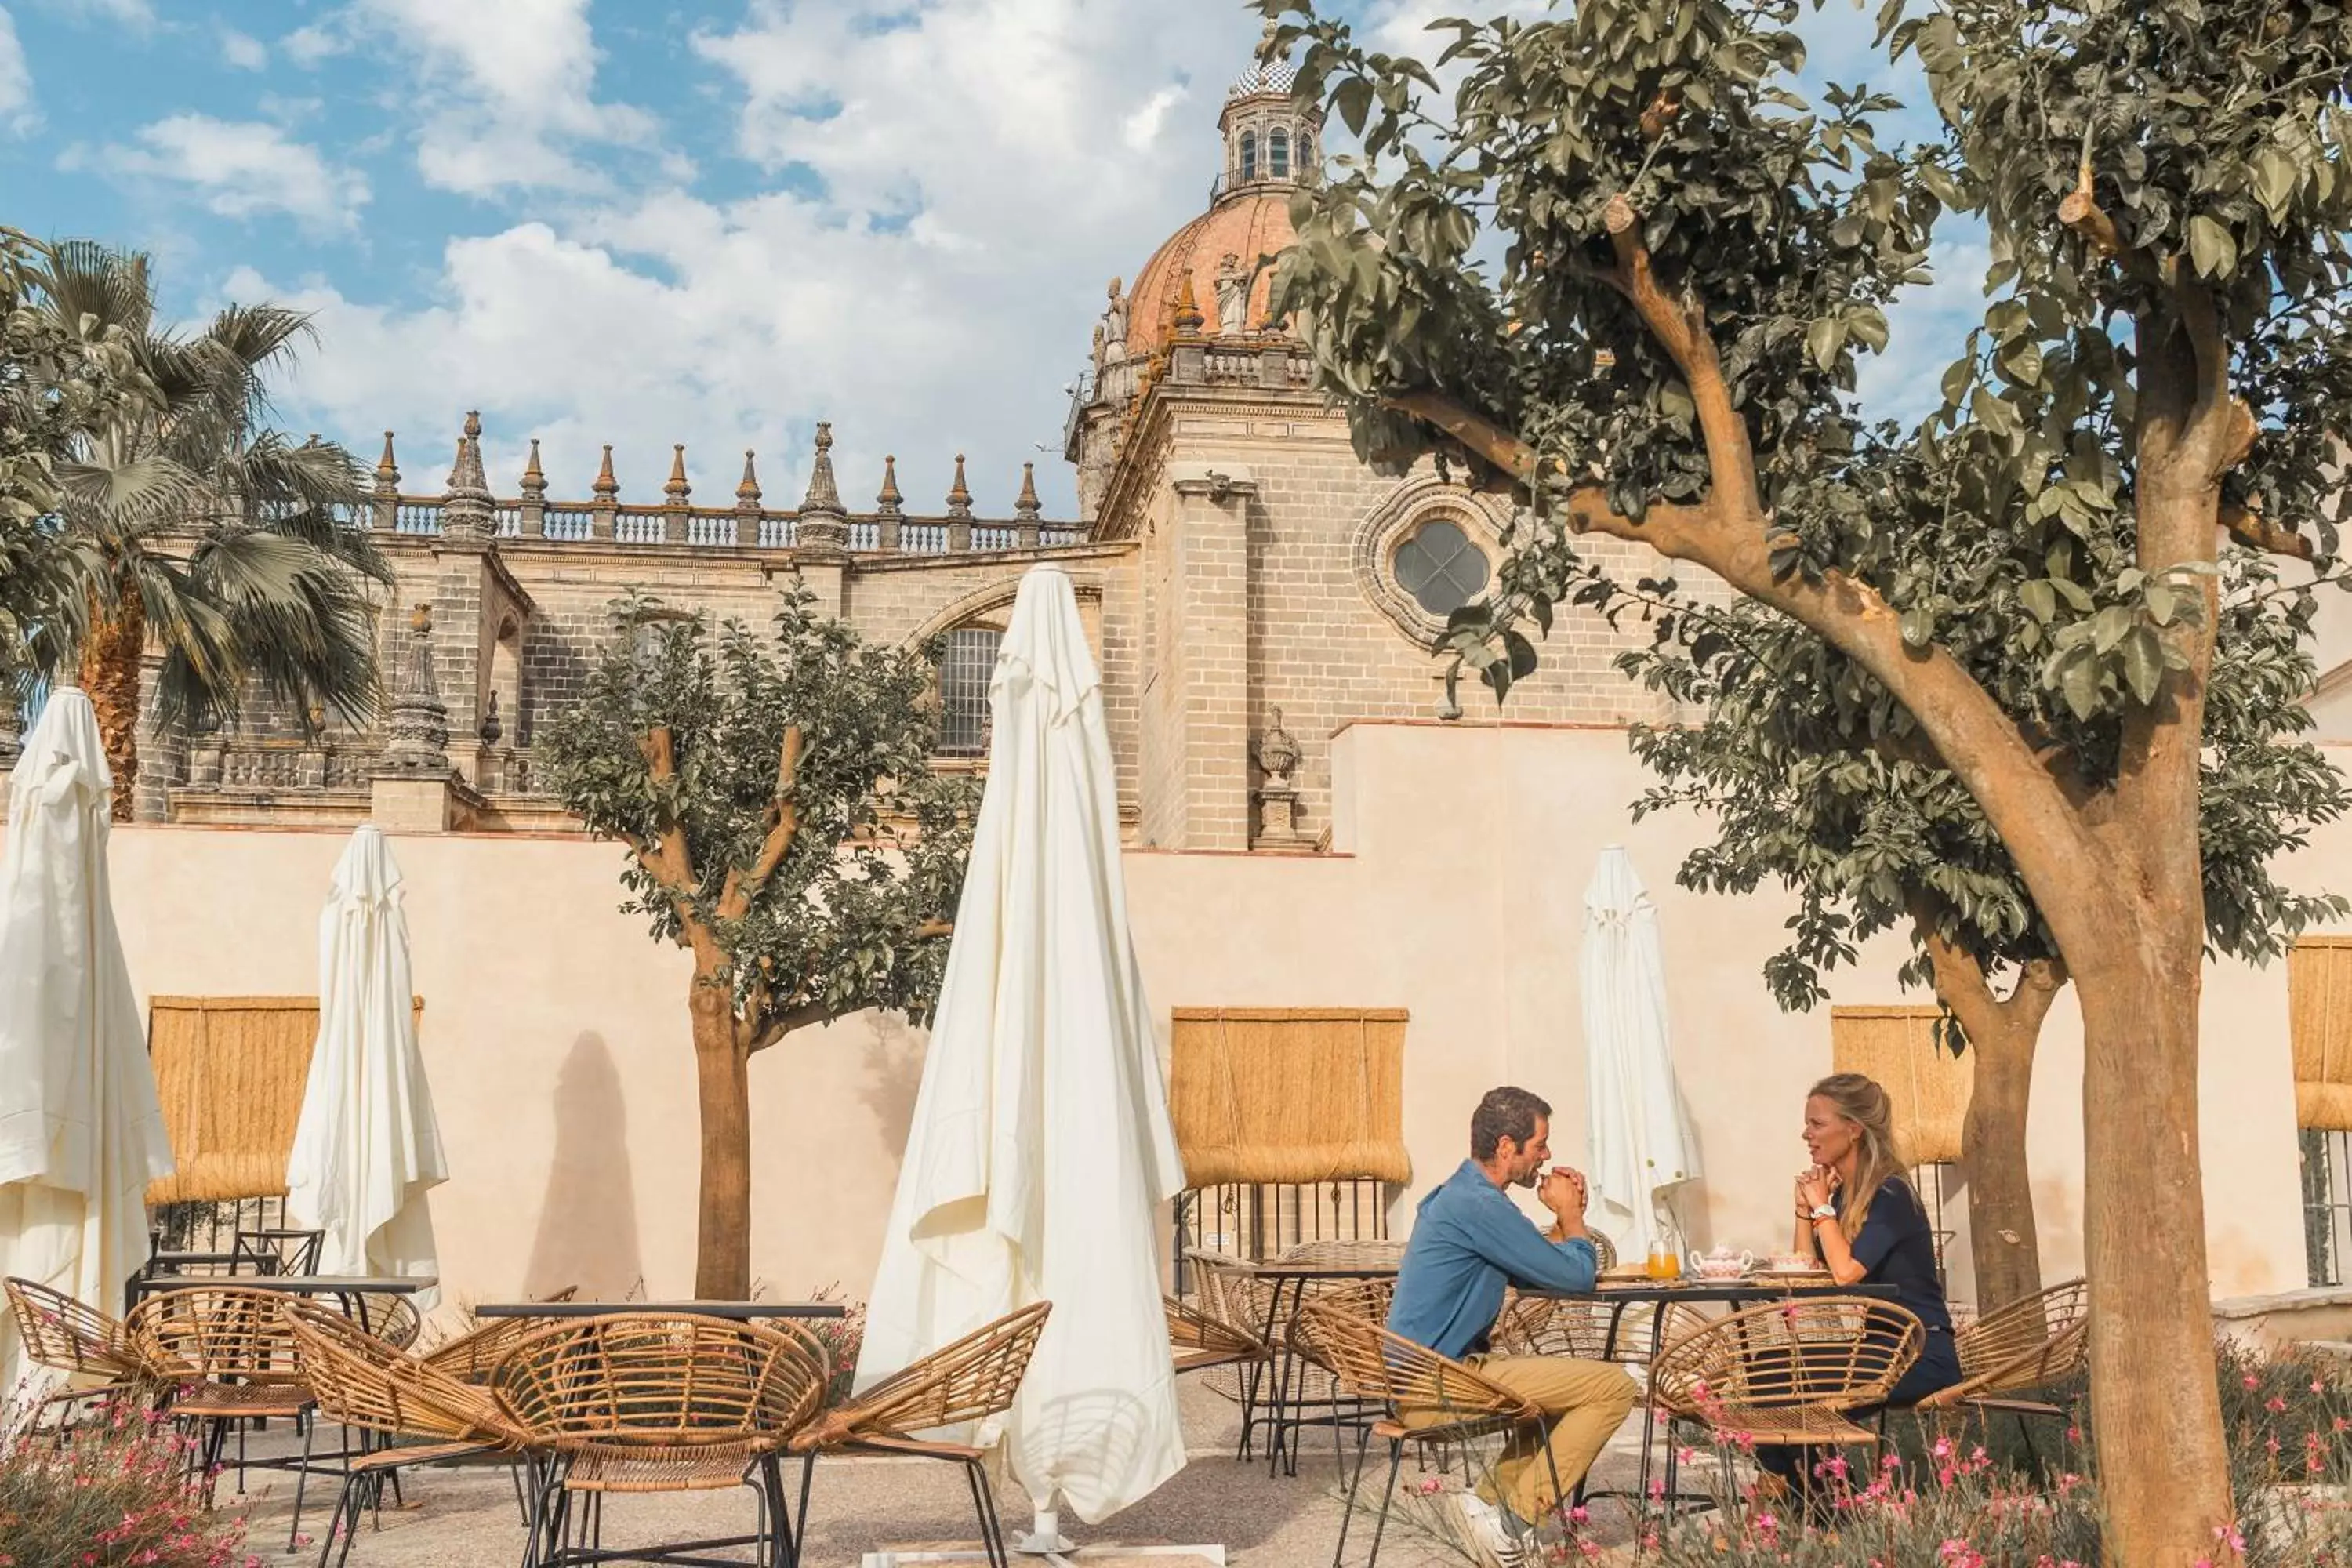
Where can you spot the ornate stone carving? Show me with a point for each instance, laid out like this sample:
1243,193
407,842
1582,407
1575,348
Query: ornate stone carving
419,725
468,514
1277,796
1406,507
492,729
1114,321
1232,296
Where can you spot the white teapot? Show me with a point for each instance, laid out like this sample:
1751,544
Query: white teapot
1721,1264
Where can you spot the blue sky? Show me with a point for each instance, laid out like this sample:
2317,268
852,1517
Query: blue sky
639,222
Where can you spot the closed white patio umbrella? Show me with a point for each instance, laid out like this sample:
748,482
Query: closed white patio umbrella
1041,1153
80,1131
366,1146
1641,1145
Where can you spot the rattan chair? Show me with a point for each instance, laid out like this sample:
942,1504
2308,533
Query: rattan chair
78,1339
1430,1399
1200,1343
367,1386
390,1316
958,1385
2026,1347
470,1357
242,1367
1787,1374
1233,1296
659,1402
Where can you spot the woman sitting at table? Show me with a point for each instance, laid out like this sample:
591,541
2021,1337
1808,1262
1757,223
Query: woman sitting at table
1857,1212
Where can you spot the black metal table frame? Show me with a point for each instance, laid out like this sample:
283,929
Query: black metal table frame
1658,1298
1286,1361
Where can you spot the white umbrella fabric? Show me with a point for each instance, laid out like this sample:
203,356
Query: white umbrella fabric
81,1134
366,1146
1041,1151
1640,1138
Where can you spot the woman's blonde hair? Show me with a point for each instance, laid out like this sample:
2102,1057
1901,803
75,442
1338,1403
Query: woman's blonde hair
1860,1100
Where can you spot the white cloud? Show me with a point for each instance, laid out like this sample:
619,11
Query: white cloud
504,92
243,51
1928,328
242,170
321,40
981,167
15,79
136,14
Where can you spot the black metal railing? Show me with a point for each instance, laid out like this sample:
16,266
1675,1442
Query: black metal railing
1257,1221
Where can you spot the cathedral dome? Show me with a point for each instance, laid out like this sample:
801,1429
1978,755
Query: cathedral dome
1271,149
1243,226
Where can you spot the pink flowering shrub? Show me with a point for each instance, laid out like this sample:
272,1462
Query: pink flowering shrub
111,1497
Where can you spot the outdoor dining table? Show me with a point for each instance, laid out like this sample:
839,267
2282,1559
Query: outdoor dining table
1373,1261
736,1312
352,1290
1747,1291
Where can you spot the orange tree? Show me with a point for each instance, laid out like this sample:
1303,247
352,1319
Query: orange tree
784,827
1619,266
1872,839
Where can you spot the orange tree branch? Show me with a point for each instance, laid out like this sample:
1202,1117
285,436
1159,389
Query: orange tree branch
783,820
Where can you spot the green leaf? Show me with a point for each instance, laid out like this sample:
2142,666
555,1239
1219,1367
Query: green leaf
2079,683
2109,625
2210,249
1354,102
1919,626
2143,664
1822,339
2039,598
1867,323
2275,177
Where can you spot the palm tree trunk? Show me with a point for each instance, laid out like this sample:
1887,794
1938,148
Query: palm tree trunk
110,655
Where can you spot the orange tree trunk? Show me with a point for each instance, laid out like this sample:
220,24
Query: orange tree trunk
110,675
2164,1464
2003,1242
722,1259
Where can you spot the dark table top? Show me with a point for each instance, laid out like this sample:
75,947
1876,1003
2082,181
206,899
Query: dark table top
737,1309
293,1284
1746,1289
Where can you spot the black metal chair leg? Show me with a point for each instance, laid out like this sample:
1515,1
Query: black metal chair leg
301,1477
1388,1494
1355,1485
808,1474
343,1506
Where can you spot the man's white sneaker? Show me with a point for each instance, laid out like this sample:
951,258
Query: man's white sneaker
1483,1529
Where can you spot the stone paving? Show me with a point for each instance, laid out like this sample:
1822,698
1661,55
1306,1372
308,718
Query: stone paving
466,1519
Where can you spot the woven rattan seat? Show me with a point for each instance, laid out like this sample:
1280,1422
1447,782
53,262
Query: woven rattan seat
960,1385
78,1339
627,1468
243,1402
1787,1373
656,1401
2028,1344
1430,1399
1198,1342
241,1365
415,1412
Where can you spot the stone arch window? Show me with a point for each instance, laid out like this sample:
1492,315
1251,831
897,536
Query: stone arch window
966,666
1249,155
1439,566
1424,552
1277,156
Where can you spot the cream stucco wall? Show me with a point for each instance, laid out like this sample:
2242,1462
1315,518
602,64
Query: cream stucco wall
555,1031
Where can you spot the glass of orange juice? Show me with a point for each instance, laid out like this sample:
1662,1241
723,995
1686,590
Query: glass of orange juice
1664,1265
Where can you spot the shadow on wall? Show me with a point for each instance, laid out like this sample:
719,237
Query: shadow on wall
588,1221
894,1077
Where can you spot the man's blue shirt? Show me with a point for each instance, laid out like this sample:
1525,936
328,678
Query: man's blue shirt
1469,1241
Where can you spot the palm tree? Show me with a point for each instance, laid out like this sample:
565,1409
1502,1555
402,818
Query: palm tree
187,521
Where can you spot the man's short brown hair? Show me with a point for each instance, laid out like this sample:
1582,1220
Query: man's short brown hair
1506,1113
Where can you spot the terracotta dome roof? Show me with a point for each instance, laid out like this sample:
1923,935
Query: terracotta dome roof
1248,224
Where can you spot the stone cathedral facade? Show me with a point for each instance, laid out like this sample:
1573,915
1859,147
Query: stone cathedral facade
1252,588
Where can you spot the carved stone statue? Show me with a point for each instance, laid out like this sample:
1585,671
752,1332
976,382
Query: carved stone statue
1232,296
1114,320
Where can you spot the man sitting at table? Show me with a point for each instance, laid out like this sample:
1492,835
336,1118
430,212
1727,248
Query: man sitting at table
1470,1240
